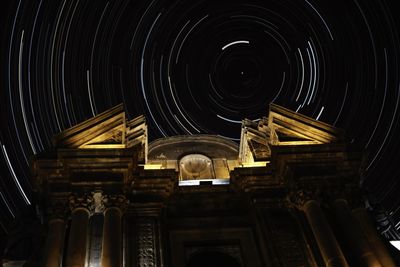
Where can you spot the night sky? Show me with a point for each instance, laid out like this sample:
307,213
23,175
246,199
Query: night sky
198,67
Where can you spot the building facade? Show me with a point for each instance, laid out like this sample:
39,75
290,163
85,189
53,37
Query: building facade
287,195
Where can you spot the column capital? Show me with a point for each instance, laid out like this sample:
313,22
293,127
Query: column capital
83,201
351,194
355,199
115,201
98,202
57,209
299,198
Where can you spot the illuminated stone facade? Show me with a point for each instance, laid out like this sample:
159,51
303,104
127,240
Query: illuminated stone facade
287,195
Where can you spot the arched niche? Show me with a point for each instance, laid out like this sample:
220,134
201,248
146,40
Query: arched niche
196,167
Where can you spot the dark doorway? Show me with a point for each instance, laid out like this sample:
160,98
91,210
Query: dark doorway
212,259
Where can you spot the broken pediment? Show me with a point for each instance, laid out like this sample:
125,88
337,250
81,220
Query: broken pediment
282,127
109,129
291,128
254,141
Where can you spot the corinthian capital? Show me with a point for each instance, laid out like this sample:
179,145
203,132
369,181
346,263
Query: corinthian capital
85,201
118,201
300,197
57,209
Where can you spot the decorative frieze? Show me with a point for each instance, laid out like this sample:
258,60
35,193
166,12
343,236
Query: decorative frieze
146,242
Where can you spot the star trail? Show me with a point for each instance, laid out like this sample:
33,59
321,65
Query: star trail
200,67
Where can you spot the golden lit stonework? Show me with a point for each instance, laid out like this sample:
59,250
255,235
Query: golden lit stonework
286,195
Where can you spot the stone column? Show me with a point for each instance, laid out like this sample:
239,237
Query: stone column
112,234
358,243
54,243
327,243
361,216
111,255
77,242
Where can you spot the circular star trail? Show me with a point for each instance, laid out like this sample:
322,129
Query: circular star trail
195,67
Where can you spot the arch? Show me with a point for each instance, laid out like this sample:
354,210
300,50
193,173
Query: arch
174,147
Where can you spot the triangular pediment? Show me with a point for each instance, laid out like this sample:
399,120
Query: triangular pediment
113,138
283,127
109,129
286,135
290,128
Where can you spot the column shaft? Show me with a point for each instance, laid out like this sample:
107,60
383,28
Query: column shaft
360,214
54,243
78,238
112,238
327,243
358,244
